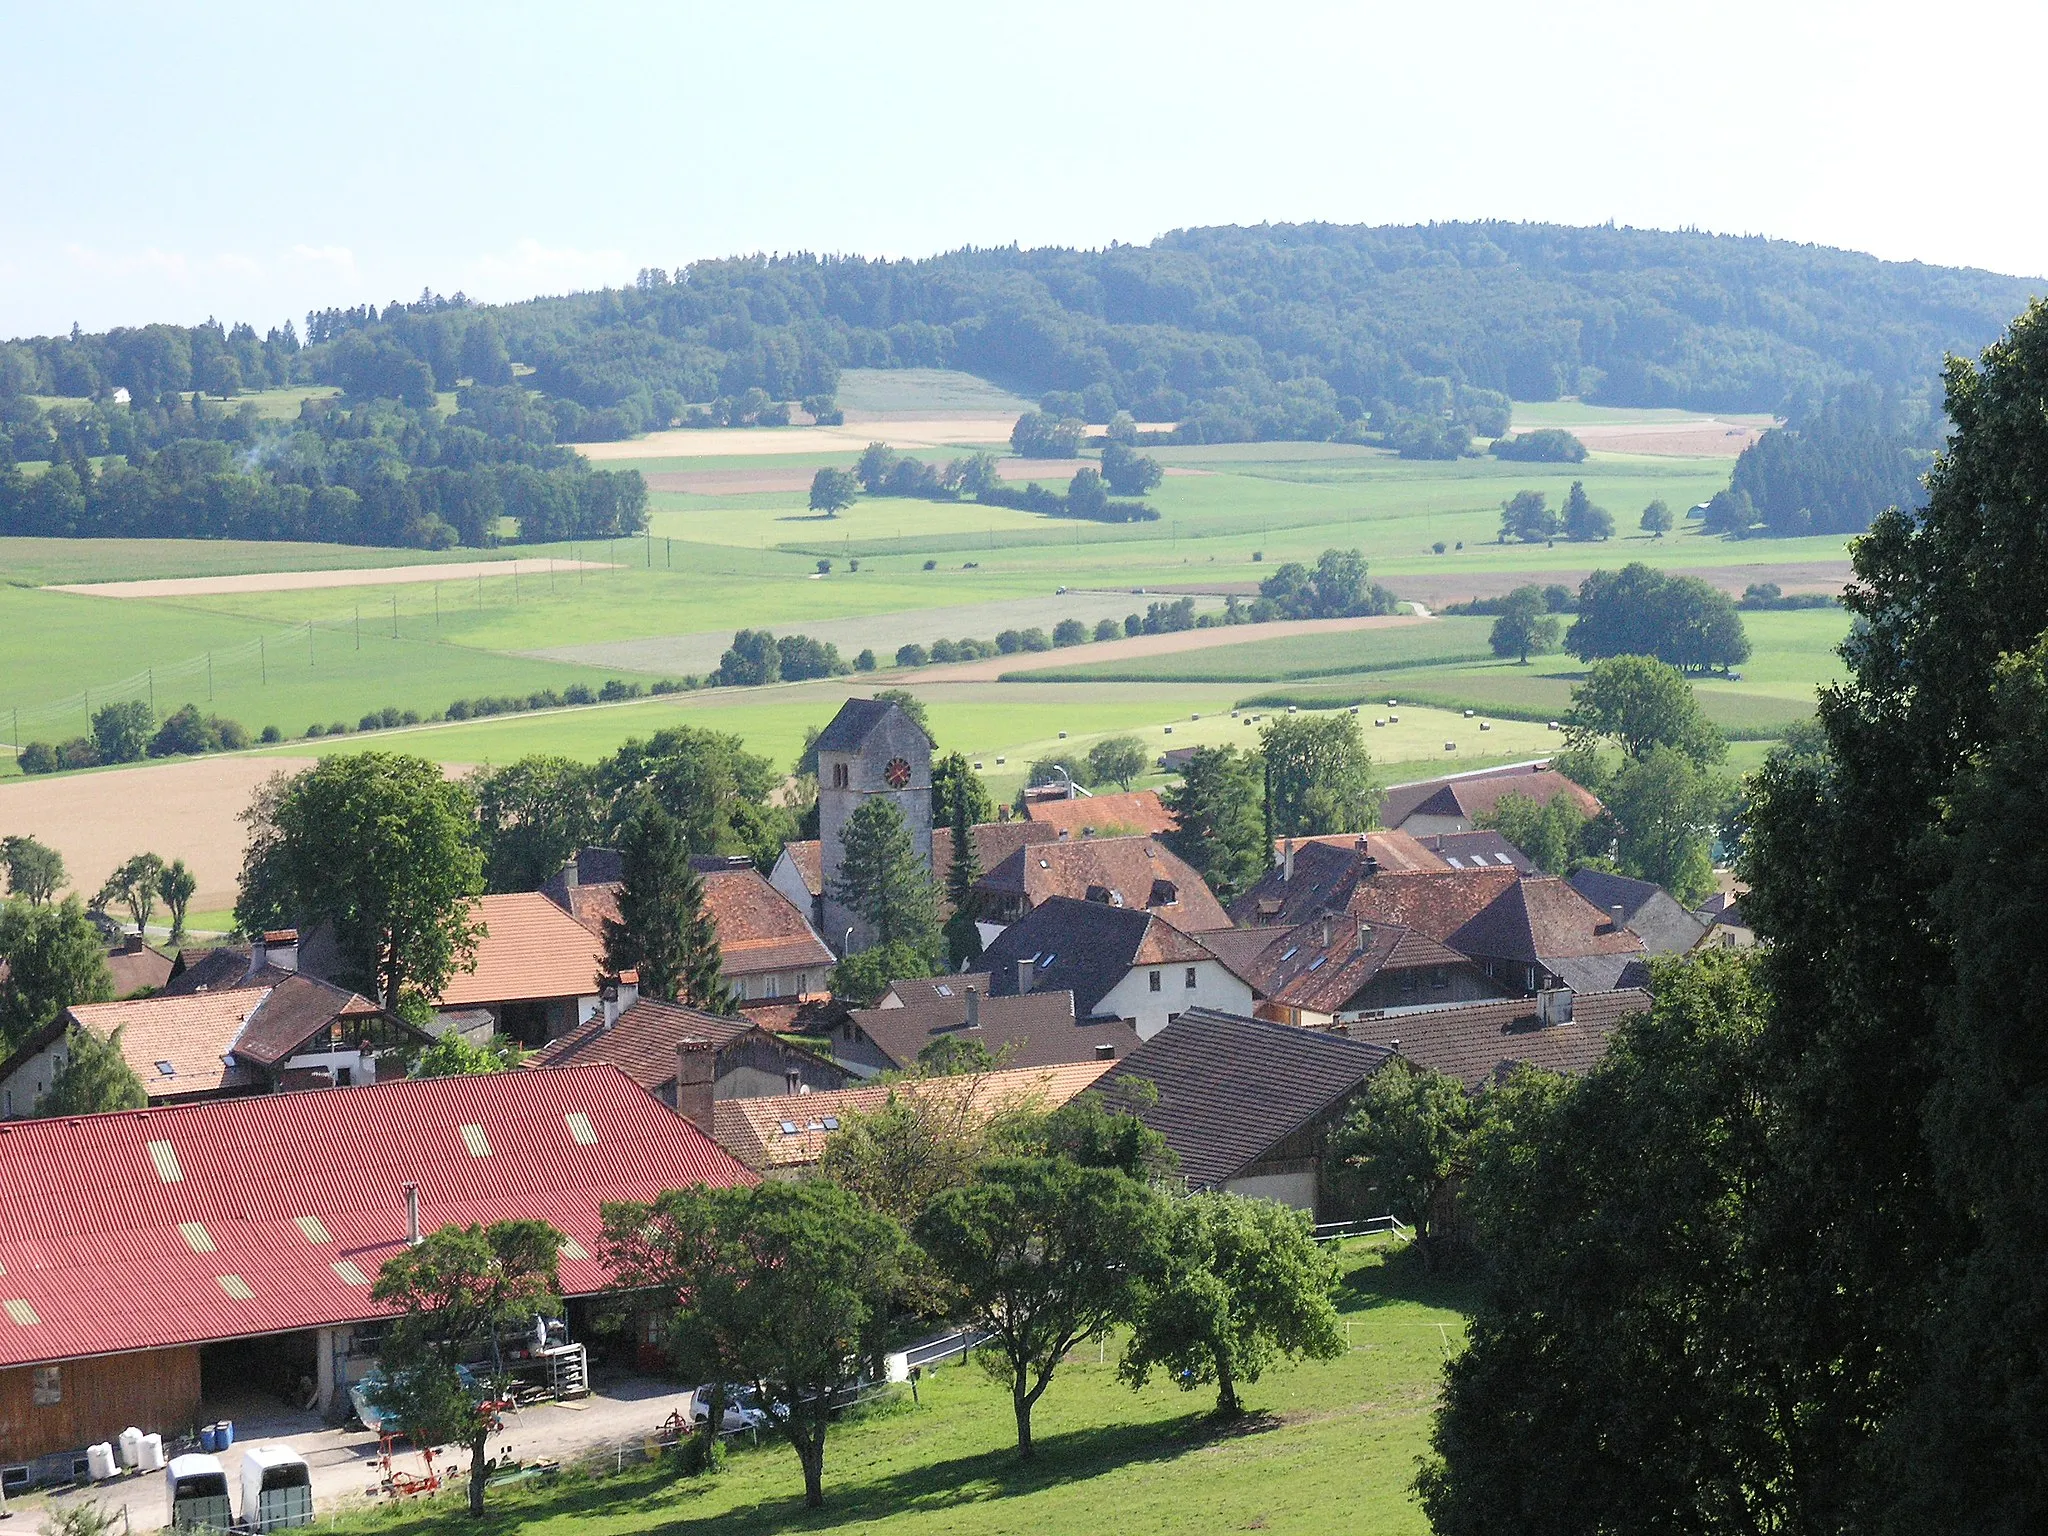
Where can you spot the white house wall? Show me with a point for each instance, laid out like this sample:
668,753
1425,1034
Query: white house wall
1215,987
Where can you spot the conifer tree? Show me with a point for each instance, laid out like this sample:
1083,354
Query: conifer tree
963,938
663,930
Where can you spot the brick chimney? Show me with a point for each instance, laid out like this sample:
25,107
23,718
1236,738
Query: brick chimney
696,1071
1287,861
974,1006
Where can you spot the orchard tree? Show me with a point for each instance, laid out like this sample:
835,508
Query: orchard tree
35,871
833,491
458,1286
1244,1285
381,846
1527,516
786,1286
1657,519
1525,625
1318,775
1046,1253
1640,704
134,886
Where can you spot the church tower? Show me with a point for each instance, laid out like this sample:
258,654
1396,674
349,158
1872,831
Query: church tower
871,748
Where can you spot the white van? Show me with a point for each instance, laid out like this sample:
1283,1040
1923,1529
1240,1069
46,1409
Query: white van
197,1489
277,1488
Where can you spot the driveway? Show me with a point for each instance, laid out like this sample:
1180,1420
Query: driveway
623,1410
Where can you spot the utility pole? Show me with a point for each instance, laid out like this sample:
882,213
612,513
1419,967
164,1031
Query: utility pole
394,615
437,605
309,642
150,673
263,657
479,591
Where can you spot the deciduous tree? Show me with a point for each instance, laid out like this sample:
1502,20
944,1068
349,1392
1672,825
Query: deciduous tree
1116,760
95,1077
177,884
134,886
1525,625
1318,775
35,871
54,959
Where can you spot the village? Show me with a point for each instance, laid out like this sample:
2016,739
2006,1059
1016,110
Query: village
220,1280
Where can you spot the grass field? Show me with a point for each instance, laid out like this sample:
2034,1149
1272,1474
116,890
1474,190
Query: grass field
1326,1447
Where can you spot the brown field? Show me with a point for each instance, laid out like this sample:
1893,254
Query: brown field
296,581
1678,439
183,810
989,670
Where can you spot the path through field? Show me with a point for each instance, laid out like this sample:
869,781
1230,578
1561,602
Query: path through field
296,581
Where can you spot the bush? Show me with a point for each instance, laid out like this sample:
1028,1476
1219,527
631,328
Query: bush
271,733
944,650
578,693
120,732
674,685
316,730
1551,445
1108,629
912,655
865,661
1009,642
1069,632
931,565
39,757
614,690
338,728
1034,639
79,752
186,734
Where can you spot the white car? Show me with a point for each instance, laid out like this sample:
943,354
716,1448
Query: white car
741,1410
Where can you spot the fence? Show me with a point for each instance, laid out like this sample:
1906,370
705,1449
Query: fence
1336,1231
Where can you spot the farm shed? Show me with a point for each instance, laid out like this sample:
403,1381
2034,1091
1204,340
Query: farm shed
232,1243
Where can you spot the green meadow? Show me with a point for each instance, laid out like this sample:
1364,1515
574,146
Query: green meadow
1326,1446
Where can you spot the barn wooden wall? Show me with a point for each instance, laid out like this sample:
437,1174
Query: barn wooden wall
156,1390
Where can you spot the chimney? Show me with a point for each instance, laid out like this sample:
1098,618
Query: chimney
974,1004
281,949
1061,835
131,944
608,995
1364,933
1287,861
629,989
412,1216
1614,913
695,1073
572,871
1024,977
1324,932
1364,847
1106,1051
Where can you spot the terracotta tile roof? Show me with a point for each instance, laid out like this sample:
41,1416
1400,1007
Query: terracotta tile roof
994,841
1437,905
642,1044
1137,873
298,1199
1036,1030
1230,1088
190,1035
1472,795
758,929
296,1009
1476,1041
532,951
1540,917
809,859
1394,850
1325,871
1322,964
752,1129
1140,811
211,969
1084,947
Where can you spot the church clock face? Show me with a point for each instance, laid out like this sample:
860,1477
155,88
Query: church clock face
897,773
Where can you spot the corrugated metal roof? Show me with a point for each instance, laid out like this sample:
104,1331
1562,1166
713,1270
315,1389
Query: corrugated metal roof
93,1240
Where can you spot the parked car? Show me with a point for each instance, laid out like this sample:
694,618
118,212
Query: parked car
743,1409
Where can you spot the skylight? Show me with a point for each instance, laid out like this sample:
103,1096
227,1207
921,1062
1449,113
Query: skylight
22,1313
195,1234
235,1287
350,1272
574,1251
166,1161
943,991
310,1226
580,1128
789,1128
166,1069
473,1138
1318,963
1291,953
831,1122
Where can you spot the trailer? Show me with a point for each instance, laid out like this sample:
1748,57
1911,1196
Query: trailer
277,1489
197,1489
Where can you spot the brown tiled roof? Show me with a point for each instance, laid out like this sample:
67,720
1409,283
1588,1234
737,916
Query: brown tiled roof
1036,1030
1137,873
191,1035
532,950
135,965
1322,964
1475,1041
295,1009
1436,905
758,929
931,989
642,1044
1472,795
809,859
994,841
1540,917
1140,811
1084,947
207,970
1394,850
1229,1088
752,1129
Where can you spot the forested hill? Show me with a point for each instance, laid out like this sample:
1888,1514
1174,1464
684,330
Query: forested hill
1275,331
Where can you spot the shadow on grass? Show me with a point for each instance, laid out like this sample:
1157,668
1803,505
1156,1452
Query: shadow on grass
670,1503
1401,1275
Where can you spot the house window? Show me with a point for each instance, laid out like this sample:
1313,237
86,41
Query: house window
839,776
794,1078
1190,982
1408,983
47,1387
1439,979
344,1077
1153,981
1530,972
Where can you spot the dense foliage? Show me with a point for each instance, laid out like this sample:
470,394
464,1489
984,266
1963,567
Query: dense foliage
1641,611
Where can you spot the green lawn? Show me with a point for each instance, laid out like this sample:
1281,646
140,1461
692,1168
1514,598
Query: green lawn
924,389
1327,1447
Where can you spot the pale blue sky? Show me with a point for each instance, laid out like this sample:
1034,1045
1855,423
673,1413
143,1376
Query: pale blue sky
254,161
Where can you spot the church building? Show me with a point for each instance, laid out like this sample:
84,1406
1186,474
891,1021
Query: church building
871,748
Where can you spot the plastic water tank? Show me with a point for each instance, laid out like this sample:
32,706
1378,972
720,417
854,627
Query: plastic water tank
226,1428
99,1461
130,1442
151,1456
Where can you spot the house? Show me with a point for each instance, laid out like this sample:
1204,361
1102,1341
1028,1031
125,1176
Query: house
1249,1105
1725,926
1119,962
785,1138
1480,1042
659,1046
137,966
1138,813
799,874
1645,908
1476,850
1035,1029
1311,875
229,1246
1138,874
1457,802
1330,969
871,749
1176,759
538,971
277,1031
766,946
1527,933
